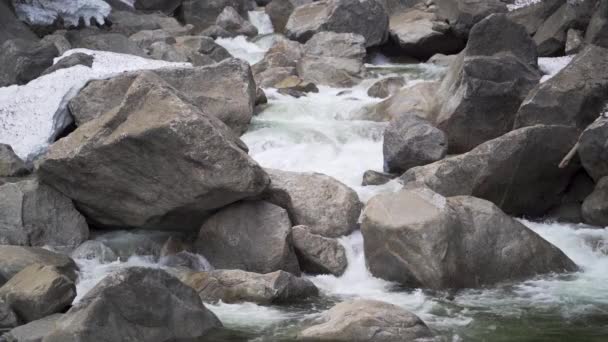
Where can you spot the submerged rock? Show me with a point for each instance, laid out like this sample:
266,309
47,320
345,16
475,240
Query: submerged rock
371,177
422,239
318,254
386,87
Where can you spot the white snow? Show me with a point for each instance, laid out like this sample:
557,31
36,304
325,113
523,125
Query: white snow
550,66
45,12
32,115
521,4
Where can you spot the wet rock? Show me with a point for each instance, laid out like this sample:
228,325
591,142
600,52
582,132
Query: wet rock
11,27
296,87
593,149
324,204
8,318
10,164
70,61
23,60
575,96
451,243
574,41
260,97
127,244
410,141
203,13
94,250
462,15
386,87
235,286
279,12
147,303
569,208
279,63
199,50
14,259
165,6
595,206
517,171
34,214
485,86
152,135
371,177
253,236
96,40
366,320
318,254
366,18
419,99
231,21
597,31
38,291
34,331
334,59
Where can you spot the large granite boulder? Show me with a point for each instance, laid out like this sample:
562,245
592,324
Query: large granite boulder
136,303
462,15
154,161
203,13
10,164
8,318
13,259
419,99
595,207
365,320
534,14
231,21
11,27
279,62
34,331
486,84
129,22
367,18
234,286
422,239
575,96
597,31
518,171
318,254
94,39
279,12
328,207
24,60
593,149
253,236
34,214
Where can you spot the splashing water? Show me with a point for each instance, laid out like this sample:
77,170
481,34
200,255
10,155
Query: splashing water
261,21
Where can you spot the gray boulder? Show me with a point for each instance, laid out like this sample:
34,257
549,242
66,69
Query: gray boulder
139,164
168,52
518,171
574,41
279,12
201,50
165,6
11,27
386,87
252,236
420,99
279,62
324,204
59,40
422,239
595,206
334,59
534,15
8,318
462,15
14,259
145,304
569,208
94,250
231,21
371,177
203,13
34,331
38,291
34,214
593,149
575,96
10,164
144,39
597,31
485,86
234,286
367,18
318,254
70,61
410,141
365,320
128,23
96,40
23,60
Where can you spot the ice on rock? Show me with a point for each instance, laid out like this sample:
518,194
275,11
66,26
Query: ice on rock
45,12
32,115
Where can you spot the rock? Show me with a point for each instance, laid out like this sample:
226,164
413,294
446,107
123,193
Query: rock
328,207
451,243
234,286
517,171
252,236
421,34
128,23
127,244
534,15
462,15
386,87
296,87
260,97
575,96
574,41
168,52
165,6
14,259
113,42
484,87
94,250
74,59
366,320
231,21
318,254
442,60
419,99
22,60
59,40
11,27
279,12
147,303
203,13
216,32
410,141
569,208
34,214
203,87
595,206
371,177
597,31
8,318
279,63
551,35
334,59
144,39
199,50
366,18
34,331
593,149
152,135
38,291
10,164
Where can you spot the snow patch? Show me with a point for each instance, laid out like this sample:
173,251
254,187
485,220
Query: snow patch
32,115
45,12
550,66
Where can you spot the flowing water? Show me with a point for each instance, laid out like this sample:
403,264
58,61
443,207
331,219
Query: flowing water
318,133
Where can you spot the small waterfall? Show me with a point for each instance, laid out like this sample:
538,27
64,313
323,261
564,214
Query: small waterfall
261,21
